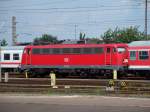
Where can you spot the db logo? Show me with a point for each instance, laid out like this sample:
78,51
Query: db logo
66,59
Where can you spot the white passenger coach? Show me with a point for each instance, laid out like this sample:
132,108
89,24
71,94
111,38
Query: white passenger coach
10,57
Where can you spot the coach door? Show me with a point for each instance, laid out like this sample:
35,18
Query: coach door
28,56
108,56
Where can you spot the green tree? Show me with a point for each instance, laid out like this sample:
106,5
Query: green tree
45,39
4,42
93,41
124,35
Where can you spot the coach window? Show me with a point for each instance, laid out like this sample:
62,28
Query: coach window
132,55
15,56
6,56
143,55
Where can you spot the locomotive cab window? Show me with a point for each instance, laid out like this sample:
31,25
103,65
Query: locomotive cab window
132,55
7,56
143,55
121,50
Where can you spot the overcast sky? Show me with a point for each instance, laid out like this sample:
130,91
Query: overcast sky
59,17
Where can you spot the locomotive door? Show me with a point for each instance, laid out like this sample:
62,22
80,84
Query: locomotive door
108,56
28,56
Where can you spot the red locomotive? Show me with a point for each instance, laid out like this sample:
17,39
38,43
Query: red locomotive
98,57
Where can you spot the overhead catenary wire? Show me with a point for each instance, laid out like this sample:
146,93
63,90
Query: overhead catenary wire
52,8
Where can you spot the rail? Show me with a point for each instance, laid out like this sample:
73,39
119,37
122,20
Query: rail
77,86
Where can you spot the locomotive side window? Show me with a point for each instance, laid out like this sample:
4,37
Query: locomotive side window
132,55
56,51
76,50
87,50
98,50
66,50
45,51
36,51
15,56
143,55
6,56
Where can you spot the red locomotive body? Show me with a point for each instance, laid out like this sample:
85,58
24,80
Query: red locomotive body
75,56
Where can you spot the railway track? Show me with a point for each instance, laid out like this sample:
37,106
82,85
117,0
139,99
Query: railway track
46,81
84,82
75,86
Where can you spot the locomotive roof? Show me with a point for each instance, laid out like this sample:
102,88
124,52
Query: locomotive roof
13,48
76,45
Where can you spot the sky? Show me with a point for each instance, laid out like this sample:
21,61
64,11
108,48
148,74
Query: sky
61,17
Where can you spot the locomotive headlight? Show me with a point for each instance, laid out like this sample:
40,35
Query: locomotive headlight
125,61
